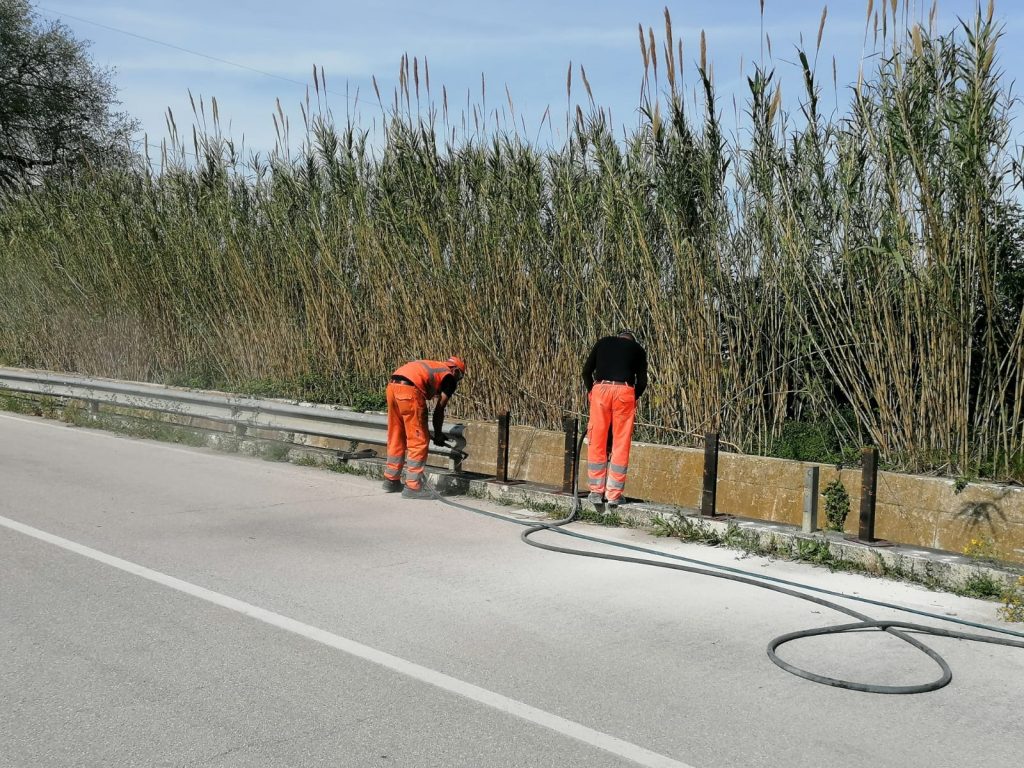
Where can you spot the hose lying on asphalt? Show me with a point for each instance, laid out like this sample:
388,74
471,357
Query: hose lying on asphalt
899,629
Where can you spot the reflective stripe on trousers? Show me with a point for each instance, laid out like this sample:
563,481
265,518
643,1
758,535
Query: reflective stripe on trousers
612,410
407,434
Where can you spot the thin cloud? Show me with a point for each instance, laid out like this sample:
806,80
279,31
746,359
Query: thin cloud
127,17
287,64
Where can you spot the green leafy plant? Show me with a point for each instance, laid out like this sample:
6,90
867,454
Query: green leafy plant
1013,602
368,401
837,505
981,548
983,586
815,551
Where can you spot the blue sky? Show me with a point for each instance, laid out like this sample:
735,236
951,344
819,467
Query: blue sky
526,45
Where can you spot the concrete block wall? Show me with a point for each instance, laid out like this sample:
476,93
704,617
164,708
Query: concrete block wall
910,509
535,455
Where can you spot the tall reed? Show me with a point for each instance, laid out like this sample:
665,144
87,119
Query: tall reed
862,270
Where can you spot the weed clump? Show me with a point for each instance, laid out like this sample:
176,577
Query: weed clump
837,505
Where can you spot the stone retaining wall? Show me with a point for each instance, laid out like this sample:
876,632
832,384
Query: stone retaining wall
910,509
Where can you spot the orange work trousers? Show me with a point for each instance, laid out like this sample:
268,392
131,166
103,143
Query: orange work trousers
612,407
408,435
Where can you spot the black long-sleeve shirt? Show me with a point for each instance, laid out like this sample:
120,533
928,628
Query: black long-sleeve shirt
615,358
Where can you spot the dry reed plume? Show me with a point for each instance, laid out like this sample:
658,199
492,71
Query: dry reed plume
862,271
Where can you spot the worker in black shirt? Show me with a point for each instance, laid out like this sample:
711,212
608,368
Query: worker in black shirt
615,375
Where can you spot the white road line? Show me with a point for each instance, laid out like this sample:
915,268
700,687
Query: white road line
582,733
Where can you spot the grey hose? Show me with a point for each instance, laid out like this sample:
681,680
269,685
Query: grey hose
898,629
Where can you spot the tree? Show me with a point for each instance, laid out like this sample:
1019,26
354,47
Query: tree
56,104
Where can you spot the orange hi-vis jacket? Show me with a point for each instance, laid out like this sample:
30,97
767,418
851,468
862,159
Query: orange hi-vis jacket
426,375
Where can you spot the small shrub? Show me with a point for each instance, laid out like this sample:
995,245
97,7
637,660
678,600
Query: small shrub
981,549
1013,602
815,551
837,505
982,585
263,388
680,527
737,538
14,404
369,401
273,451
822,440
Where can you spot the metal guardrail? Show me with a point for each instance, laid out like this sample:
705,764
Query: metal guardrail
245,412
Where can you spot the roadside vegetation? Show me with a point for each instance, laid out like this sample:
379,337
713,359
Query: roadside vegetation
818,282
817,551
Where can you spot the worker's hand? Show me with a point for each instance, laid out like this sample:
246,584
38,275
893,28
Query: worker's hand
440,439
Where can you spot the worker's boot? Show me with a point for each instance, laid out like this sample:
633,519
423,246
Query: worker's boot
595,498
391,486
613,504
417,493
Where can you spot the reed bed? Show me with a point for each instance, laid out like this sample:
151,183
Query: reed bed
860,272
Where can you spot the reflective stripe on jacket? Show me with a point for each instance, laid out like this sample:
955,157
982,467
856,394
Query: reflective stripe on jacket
426,375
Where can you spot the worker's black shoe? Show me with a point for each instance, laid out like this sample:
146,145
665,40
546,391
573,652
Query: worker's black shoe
613,504
391,486
418,493
595,498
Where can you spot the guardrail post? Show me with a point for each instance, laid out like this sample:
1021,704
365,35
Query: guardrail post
810,500
571,426
94,408
501,470
868,489
710,490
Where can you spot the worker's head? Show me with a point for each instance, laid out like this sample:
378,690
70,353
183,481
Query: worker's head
457,365
625,333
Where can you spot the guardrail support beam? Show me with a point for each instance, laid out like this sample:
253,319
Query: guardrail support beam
571,426
868,490
501,469
710,485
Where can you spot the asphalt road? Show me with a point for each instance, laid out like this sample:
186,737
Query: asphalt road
167,606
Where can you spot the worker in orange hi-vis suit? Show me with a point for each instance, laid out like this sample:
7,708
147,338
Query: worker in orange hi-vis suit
411,386
616,376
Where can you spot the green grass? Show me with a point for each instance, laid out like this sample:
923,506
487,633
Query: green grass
15,404
982,586
141,428
272,451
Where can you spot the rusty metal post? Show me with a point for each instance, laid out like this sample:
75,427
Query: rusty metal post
868,489
707,501
501,471
571,426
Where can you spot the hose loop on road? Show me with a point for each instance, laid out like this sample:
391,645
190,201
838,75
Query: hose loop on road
898,629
